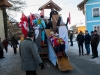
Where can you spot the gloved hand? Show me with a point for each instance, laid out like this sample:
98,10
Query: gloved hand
42,66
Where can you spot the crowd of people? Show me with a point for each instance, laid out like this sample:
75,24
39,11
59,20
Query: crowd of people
4,45
89,40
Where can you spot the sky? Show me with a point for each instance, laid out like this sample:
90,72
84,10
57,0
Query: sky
66,5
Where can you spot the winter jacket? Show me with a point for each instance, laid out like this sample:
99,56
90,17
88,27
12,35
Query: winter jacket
80,38
87,39
95,39
29,55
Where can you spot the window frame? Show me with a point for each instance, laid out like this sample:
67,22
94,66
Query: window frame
93,11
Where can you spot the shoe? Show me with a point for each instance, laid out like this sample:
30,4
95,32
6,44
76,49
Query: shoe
93,57
0,57
3,57
71,45
96,56
83,54
79,54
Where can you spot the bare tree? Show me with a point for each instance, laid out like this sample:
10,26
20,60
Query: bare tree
17,7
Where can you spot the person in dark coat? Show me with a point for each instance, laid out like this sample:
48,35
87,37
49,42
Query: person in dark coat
14,42
90,43
5,44
87,39
29,55
1,50
71,38
80,41
94,43
49,24
53,12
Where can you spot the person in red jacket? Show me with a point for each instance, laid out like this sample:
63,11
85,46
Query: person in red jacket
56,45
5,44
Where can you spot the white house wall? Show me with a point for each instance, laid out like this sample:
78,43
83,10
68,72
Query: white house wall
2,35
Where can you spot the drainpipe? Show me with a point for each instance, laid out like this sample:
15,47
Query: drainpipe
5,22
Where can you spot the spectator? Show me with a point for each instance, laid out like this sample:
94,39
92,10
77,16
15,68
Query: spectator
14,44
29,55
71,38
91,45
87,39
1,50
94,43
5,44
80,41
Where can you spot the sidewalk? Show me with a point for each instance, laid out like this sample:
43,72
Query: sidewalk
74,49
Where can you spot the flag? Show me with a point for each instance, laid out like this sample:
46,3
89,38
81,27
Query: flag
24,18
69,19
24,25
32,17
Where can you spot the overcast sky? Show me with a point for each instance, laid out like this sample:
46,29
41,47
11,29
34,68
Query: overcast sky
66,5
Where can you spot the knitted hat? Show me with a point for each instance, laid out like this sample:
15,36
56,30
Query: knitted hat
31,33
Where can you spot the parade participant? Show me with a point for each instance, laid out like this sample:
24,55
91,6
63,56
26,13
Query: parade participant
63,33
29,55
38,36
56,45
53,12
42,27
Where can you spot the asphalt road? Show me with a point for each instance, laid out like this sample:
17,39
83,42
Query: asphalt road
11,65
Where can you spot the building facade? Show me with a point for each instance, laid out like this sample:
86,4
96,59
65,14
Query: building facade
92,13
2,32
91,10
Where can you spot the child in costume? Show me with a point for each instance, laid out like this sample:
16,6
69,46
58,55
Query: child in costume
40,22
42,26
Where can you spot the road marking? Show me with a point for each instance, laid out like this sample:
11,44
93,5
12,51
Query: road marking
47,64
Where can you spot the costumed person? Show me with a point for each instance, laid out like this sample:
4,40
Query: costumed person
63,33
39,33
36,29
56,46
62,46
42,26
53,12
29,55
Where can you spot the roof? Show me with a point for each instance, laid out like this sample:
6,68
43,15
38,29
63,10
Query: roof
81,5
4,3
50,5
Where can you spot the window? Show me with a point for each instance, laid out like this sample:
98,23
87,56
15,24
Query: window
96,27
96,12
